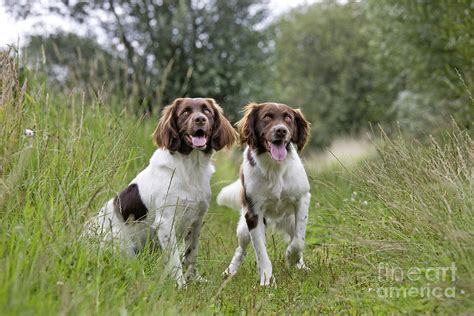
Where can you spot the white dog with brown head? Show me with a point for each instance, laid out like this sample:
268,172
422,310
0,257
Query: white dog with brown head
170,197
273,188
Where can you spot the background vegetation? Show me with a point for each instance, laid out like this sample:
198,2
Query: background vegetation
73,133
347,65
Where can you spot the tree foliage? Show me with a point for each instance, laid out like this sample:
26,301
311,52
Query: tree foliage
323,65
174,48
374,61
78,63
425,50
398,63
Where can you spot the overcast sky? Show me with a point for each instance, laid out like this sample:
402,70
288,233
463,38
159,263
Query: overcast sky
12,31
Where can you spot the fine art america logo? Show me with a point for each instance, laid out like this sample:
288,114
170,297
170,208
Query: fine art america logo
431,276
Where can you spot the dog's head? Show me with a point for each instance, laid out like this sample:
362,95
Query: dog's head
271,127
193,123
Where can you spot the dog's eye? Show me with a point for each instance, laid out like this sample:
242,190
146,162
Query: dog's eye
206,110
267,117
288,118
185,113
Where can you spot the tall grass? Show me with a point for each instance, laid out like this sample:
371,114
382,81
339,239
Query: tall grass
423,198
410,206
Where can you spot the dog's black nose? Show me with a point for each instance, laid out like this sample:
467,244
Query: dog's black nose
281,132
200,119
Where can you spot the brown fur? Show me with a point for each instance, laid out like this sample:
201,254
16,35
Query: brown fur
224,134
166,133
246,126
250,159
301,136
250,217
242,191
129,204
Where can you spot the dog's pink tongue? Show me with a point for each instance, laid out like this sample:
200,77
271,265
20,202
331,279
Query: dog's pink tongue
198,141
278,152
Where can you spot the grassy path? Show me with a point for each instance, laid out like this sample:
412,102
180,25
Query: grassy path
410,209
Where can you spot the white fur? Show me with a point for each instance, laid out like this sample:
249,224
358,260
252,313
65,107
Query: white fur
280,194
230,196
175,188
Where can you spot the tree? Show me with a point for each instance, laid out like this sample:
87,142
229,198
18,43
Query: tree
425,50
176,48
407,62
75,62
323,65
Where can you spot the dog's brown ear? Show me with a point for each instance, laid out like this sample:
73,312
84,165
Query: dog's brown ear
301,135
223,134
166,133
246,126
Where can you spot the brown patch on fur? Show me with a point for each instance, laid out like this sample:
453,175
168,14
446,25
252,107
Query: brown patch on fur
130,205
242,191
247,127
250,217
301,135
224,135
166,134
250,158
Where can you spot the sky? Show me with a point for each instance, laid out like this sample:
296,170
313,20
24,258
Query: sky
15,32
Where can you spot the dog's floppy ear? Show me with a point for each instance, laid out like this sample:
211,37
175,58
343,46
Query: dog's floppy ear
223,134
166,133
246,126
301,135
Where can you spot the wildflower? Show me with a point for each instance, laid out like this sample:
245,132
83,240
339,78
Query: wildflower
29,133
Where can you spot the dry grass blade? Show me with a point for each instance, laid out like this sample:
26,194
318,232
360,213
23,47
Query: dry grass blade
8,77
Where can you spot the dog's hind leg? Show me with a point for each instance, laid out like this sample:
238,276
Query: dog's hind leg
243,236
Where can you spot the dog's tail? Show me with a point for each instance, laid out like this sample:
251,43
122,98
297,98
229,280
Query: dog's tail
230,196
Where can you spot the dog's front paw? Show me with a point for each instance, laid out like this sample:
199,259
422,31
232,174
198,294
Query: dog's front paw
196,277
268,282
267,278
181,283
293,254
229,272
301,266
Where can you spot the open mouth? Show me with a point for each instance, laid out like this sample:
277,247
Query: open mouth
198,140
277,150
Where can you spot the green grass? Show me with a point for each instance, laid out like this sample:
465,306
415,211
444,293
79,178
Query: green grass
413,208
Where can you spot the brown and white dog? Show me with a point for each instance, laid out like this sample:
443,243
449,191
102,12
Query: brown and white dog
273,188
169,198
